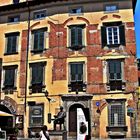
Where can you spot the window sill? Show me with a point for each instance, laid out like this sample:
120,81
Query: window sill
38,51
15,53
9,88
76,47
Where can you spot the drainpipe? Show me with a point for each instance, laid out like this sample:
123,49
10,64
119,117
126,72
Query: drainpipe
27,51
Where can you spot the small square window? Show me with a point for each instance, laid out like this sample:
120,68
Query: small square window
13,19
77,10
111,8
40,14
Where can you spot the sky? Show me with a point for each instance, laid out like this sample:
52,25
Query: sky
137,27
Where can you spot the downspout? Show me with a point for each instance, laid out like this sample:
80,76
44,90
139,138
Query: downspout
27,51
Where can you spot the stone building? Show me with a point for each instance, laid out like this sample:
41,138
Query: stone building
79,54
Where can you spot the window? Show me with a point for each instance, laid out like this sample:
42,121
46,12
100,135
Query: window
113,34
9,76
115,76
13,19
11,43
111,8
76,34
40,14
76,76
36,115
38,40
77,10
116,113
37,77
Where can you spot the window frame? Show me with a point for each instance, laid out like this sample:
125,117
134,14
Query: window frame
37,87
110,5
39,13
121,118
115,83
38,33
8,37
120,34
14,77
31,109
72,9
13,17
76,28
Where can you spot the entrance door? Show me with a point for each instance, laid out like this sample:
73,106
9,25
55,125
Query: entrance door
73,119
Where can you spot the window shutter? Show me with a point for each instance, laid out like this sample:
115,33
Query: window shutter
9,77
122,35
9,44
40,75
111,70
73,36
73,72
103,36
14,44
79,36
36,41
118,70
80,72
34,75
41,40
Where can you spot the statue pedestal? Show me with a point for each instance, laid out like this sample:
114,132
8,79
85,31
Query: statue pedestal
58,135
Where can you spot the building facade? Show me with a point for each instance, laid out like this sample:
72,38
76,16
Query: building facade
79,54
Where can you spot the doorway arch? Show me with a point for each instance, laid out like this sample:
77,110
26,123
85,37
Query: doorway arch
73,118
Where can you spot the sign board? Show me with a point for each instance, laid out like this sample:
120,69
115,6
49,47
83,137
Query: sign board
82,125
97,103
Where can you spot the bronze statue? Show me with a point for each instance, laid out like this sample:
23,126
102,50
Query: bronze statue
59,118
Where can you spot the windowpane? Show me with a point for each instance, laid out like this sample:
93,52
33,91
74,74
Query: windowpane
40,14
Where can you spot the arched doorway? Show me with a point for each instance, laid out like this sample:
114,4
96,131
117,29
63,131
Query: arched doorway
6,122
73,119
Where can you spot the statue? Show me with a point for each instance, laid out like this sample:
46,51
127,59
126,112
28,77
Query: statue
59,118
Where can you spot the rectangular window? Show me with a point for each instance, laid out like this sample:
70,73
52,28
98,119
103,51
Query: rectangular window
40,14
38,40
77,10
36,115
115,76
113,34
116,113
76,76
9,76
37,76
11,43
111,8
13,19
76,35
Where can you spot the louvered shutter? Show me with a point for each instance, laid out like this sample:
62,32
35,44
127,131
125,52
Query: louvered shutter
36,41
122,35
103,36
14,43
80,72
118,70
9,77
73,72
73,36
79,36
111,70
41,40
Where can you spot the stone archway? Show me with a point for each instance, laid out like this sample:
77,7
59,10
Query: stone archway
71,102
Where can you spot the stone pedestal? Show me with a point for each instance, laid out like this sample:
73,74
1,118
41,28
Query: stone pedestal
58,135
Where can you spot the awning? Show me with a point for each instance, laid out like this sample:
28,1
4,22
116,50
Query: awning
5,114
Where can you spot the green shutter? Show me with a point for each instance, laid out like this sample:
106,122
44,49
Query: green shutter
103,36
122,35
9,77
